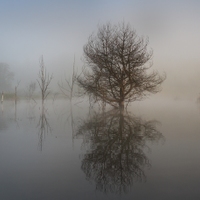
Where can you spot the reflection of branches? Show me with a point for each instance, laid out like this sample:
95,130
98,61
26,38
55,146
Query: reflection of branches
44,127
67,117
115,155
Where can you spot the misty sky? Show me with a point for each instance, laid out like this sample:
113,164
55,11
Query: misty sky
58,29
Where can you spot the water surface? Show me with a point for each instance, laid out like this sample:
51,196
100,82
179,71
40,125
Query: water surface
73,152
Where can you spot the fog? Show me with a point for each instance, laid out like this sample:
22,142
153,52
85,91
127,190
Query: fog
59,29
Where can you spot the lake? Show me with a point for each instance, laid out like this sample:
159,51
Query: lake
70,151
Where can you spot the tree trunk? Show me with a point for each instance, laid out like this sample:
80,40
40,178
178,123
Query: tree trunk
121,105
43,98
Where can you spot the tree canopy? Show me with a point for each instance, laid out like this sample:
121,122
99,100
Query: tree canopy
118,66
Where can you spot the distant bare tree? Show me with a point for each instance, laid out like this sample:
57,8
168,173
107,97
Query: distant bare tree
117,72
67,86
44,81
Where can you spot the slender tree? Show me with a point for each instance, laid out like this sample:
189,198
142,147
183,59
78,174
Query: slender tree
44,81
119,64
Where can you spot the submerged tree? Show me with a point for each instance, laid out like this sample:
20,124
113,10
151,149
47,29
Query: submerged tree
118,66
44,81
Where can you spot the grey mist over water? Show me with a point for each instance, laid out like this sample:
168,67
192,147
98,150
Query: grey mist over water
65,151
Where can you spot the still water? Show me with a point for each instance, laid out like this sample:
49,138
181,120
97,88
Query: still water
61,152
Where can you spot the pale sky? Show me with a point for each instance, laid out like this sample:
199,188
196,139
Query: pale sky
58,29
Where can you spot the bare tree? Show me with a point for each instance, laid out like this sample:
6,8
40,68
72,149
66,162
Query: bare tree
44,80
118,62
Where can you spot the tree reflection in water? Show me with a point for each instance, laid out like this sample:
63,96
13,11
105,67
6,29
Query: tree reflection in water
43,126
115,145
